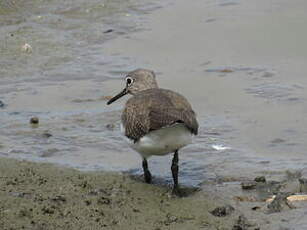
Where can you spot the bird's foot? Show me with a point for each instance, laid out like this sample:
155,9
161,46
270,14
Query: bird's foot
177,191
147,177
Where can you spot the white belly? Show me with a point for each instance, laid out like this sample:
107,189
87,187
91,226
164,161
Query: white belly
163,141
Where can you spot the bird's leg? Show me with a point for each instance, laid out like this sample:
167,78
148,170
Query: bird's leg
147,175
175,169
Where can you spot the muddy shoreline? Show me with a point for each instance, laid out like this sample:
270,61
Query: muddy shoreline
45,196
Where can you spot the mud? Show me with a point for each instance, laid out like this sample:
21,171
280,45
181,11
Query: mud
43,196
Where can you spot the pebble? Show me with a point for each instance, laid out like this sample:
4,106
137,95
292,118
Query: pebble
2,104
260,179
222,211
26,48
34,120
108,31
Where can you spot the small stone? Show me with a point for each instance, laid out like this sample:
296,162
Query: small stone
260,179
255,208
108,31
222,211
248,185
34,120
2,105
26,48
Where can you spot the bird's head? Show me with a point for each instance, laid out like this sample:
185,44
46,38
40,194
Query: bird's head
137,81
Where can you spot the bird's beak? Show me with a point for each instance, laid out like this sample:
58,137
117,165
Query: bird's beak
122,93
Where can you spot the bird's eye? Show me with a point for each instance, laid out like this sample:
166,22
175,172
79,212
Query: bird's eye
129,80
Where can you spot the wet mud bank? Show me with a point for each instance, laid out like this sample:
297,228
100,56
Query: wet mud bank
44,196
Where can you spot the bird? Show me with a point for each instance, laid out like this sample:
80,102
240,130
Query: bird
156,121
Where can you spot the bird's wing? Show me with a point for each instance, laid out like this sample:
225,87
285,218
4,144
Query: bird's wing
135,120
167,116
162,108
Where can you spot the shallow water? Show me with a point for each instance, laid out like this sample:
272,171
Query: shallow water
243,72
60,79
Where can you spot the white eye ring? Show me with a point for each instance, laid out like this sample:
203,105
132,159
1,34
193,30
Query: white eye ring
129,80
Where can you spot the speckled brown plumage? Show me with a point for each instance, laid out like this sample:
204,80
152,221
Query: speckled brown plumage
156,108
